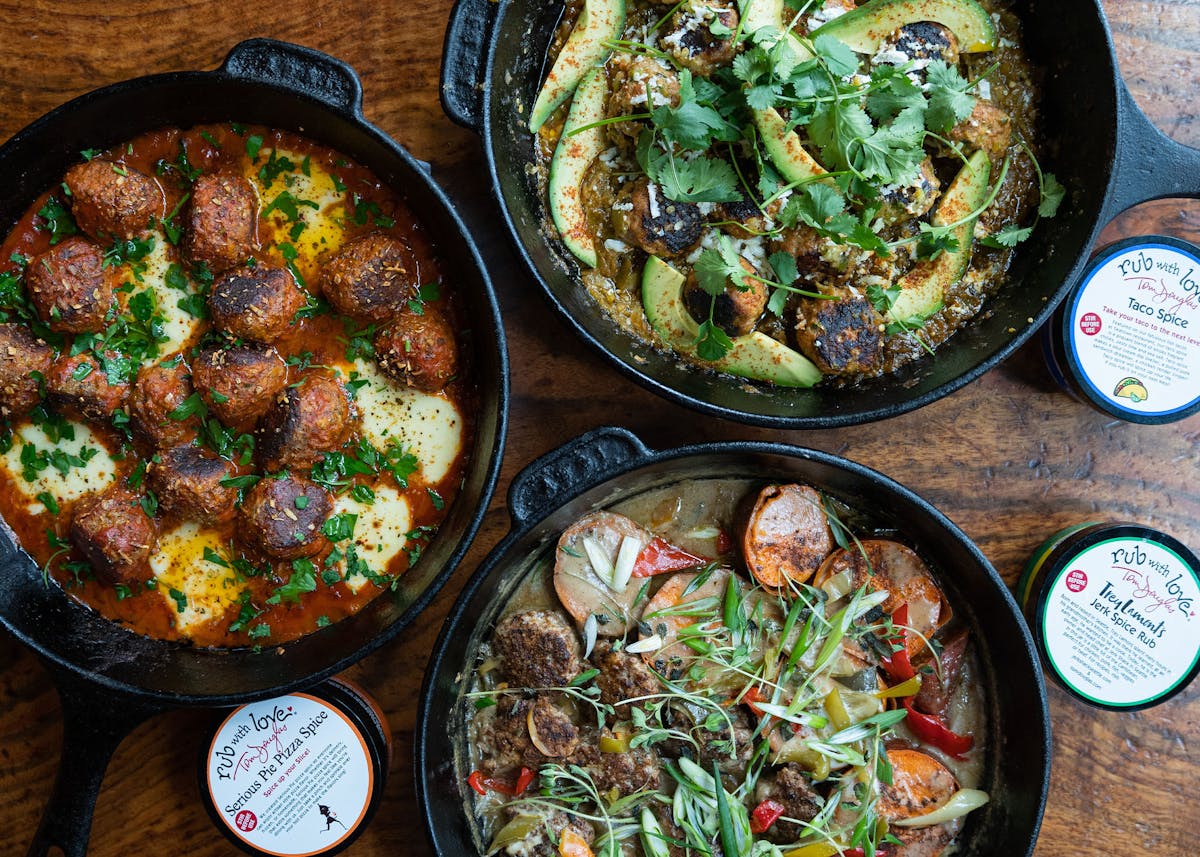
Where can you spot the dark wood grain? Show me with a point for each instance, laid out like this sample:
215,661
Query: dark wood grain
1010,458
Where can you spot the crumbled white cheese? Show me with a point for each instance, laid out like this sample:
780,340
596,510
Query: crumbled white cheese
826,14
652,193
622,206
890,55
706,208
616,246
985,89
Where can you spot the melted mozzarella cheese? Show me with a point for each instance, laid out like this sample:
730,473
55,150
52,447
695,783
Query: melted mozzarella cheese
380,532
97,473
179,564
178,325
429,426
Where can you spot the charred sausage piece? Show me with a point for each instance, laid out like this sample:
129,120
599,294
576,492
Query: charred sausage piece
113,201
920,43
23,359
372,278
843,336
306,421
158,391
988,128
938,687
736,310
622,677
791,788
418,350
239,384
693,39
79,382
551,729
660,226
69,287
222,221
638,84
538,649
786,537
282,516
187,482
258,304
112,530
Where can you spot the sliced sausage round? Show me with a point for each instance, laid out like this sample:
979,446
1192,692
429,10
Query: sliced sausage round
583,590
187,482
23,358
222,221
113,201
79,382
282,516
239,384
69,287
371,278
159,390
111,529
418,350
786,537
306,421
258,304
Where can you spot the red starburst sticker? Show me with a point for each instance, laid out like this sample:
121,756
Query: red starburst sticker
1076,580
245,820
1090,324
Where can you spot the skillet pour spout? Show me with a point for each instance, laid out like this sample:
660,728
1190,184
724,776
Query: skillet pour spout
110,679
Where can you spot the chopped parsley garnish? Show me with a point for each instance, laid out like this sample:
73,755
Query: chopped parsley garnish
179,598
57,220
303,579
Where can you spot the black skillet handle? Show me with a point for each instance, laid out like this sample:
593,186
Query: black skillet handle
313,73
1149,164
540,488
464,60
95,721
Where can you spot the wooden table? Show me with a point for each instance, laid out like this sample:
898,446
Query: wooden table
1015,459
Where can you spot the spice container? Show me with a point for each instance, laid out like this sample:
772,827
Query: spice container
300,774
1127,340
1112,608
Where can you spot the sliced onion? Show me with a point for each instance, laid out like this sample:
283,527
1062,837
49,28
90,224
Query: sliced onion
960,803
590,629
837,586
626,559
648,644
598,557
536,738
515,831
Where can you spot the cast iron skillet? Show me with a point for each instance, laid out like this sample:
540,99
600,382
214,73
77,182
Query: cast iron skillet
610,464
110,679
1105,151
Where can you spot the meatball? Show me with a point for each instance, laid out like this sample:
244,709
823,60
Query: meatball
551,729
623,676
258,304
920,43
658,225
736,310
79,382
638,84
158,391
239,384
111,529
307,420
793,790
502,738
538,649
418,350
988,128
23,358
371,278
731,751
222,221
626,772
843,336
282,516
187,482
701,37
69,287
913,199
113,201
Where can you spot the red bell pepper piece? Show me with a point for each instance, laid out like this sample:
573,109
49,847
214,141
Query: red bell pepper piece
751,698
931,730
764,815
661,556
523,780
898,666
484,784
724,543
475,781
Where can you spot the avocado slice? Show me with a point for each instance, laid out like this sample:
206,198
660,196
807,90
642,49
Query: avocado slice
600,21
755,355
865,28
784,148
762,13
572,157
923,288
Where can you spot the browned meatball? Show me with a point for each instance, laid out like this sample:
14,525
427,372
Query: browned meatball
371,278
239,384
158,391
691,39
988,128
79,382
222,221
258,304
659,226
736,310
112,530
921,43
282,516
187,482
638,84
905,200
418,350
627,772
842,336
622,677
113,201
23,357
309,419
538,649
69,287
791,788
